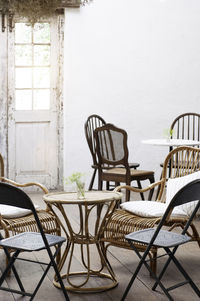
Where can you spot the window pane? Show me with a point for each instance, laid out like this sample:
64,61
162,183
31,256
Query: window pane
42,55
41,99
41,77
23,100
23,78
23,55
22,33
41,33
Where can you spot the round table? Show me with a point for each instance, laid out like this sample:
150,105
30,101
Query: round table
83,229
171,142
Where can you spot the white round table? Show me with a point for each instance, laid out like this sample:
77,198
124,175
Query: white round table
171,142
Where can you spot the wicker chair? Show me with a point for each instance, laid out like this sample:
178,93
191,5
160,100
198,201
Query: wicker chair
123,222
13,226
112,152
94,121
91,124
185,126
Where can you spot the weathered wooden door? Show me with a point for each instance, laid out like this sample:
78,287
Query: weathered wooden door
34,102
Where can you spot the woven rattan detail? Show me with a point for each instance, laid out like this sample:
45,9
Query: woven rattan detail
122,222
27,223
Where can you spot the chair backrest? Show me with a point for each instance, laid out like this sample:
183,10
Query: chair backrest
181,161
111,146
14,196
94,121
189,193
186,126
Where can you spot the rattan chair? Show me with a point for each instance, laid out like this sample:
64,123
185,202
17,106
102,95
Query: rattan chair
169,241
112,152
185,126
94,121
123,222
27,242
12,226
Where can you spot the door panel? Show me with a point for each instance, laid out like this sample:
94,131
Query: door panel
35,102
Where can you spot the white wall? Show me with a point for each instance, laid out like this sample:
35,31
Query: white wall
137,64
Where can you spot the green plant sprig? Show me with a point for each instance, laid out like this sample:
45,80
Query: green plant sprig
168,133
77,178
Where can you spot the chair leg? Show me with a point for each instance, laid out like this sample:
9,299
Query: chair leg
10,265
134,275
92,180
51,263
107,185
153,261
152,180
183,272
127,195
141,263
52,258
140,187
23,292
180,268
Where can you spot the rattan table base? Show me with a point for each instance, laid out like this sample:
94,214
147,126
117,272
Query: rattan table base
95,269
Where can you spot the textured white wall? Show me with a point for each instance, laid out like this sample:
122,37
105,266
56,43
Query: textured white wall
135,63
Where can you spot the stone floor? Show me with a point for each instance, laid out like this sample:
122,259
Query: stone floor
123,263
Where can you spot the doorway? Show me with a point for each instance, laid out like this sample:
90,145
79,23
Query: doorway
32,101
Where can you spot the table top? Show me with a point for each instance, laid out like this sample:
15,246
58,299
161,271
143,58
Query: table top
91,197
171,142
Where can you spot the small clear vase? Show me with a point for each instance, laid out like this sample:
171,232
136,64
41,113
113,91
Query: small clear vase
80,190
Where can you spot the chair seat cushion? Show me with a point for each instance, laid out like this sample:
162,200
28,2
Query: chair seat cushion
149,208
174,185
14,212
122,171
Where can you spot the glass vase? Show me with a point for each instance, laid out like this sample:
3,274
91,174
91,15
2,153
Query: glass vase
80,190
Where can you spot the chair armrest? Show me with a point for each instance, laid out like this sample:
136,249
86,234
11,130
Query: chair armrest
41,186
138,190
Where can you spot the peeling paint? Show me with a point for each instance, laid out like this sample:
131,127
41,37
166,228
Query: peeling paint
8,124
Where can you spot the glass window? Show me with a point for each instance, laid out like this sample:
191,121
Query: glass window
32,66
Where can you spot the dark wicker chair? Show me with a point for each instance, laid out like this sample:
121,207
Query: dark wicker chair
112,152
94,121
185,126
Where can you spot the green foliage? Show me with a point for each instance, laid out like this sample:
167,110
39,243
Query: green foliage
168,133
33,10
37,10
77,179
74,178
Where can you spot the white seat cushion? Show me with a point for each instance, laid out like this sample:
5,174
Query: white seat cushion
174,185
149,208
14,212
